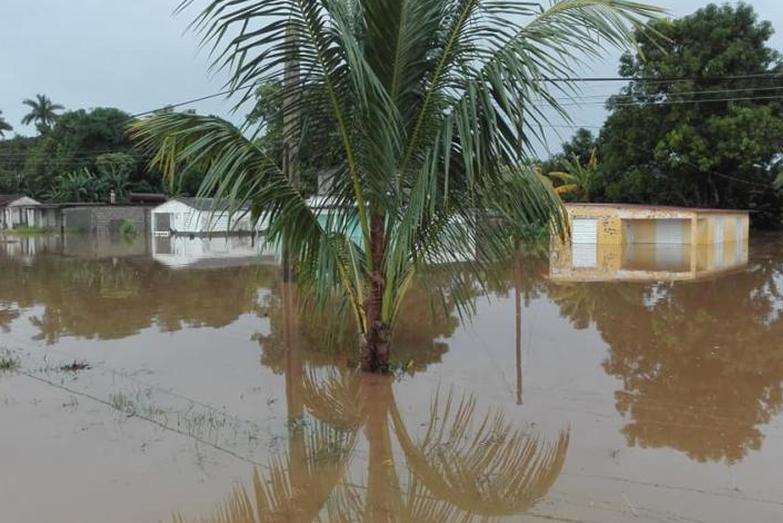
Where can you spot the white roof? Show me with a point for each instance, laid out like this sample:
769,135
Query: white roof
24,201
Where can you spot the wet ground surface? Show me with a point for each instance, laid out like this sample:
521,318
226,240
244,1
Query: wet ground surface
208,399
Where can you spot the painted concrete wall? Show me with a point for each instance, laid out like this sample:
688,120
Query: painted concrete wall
735,226
614,223
187,220
610,227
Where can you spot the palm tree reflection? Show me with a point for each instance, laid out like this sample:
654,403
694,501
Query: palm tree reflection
466,466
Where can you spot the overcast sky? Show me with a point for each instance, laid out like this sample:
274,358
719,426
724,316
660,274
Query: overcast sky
136,56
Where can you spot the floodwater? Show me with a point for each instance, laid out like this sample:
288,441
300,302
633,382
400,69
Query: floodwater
209,399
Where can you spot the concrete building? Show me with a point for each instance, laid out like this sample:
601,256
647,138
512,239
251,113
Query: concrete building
201,216
642,242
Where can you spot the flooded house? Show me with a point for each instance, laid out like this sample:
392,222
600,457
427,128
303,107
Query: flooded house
19,211
644,242
202,216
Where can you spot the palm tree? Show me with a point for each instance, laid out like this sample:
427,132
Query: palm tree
577,179
43,112
4,126
433,102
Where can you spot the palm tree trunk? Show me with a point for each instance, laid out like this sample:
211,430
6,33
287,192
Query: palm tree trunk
294,379
518,329
290,136
383,484
376,345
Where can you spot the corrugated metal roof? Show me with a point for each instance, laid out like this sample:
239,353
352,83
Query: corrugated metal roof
209,204
5,199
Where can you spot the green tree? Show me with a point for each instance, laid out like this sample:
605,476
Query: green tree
76,141
43,112
13,154
580,145
710,139
4,126
428,100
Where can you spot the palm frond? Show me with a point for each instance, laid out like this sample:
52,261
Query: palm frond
483,466
335,399
240,174
294,489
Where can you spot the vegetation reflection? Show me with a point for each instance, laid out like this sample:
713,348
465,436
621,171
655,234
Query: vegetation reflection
462,463
699,363
465,466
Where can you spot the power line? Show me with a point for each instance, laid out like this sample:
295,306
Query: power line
677,102
693,165
653,79
606,96
564,79
186,102
571,101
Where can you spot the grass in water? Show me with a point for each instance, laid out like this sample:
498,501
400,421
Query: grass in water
8,363
76,366
28,231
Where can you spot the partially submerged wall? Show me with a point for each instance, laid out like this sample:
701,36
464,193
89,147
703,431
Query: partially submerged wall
106,219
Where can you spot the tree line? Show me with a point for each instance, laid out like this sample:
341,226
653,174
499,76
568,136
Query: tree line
78,156
699,122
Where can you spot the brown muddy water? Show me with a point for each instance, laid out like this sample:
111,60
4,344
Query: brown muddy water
208,399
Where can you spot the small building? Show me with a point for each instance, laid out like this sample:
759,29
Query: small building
44,216
202,216
17,211
631,241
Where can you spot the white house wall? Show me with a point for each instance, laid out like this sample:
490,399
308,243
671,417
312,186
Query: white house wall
187,220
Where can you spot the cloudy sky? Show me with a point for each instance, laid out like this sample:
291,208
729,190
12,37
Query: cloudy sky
136,56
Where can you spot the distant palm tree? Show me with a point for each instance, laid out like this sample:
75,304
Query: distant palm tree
43,112
4,126
577,178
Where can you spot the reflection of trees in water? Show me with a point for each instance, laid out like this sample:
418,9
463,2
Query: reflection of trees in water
427,317
112,299
465,467
700,362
